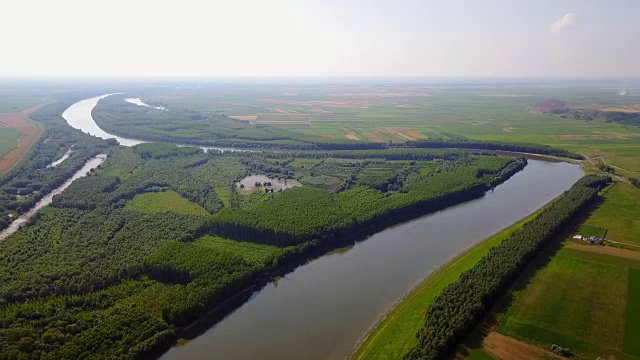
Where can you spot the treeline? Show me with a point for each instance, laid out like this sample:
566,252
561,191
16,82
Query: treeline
623,117
605,167
495,145
463,303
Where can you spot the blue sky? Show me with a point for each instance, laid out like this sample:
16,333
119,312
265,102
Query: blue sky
320,38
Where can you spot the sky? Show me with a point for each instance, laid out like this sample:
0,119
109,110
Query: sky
483,38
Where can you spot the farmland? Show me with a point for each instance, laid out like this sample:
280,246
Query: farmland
28,132
619,213
391,112
8,140
580,300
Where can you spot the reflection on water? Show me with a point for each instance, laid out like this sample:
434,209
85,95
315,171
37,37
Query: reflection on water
139,102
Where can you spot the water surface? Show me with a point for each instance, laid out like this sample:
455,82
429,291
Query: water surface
321,309
79,117
139,102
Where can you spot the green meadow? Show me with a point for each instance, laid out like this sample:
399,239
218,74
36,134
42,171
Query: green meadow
8,140
163,202
580,300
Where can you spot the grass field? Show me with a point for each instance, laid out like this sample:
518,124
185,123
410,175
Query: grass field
164,202
619,213
250,252
586,230
632,324
395,335
579,300
8,140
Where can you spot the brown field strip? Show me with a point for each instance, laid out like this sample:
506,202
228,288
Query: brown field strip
244,117
507,348
606,250
29,133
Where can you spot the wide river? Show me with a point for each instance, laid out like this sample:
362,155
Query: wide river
321,309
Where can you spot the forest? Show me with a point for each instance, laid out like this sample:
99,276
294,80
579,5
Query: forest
93,277
29,181
459,307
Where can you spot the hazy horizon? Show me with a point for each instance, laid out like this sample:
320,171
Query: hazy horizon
307,38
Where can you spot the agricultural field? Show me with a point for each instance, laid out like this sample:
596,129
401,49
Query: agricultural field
8,140
398,113
581,300
28,133
619,213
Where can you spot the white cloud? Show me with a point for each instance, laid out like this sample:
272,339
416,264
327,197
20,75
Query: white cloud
564,23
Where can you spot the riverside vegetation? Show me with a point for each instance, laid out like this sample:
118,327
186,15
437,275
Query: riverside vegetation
464,302
131,254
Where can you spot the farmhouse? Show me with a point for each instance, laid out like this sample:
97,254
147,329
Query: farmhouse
596,240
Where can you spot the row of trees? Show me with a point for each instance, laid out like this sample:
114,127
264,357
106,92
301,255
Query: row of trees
495,145
463,303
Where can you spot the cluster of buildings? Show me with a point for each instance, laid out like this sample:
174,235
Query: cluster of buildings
596,240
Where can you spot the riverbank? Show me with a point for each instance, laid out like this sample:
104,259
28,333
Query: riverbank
394,334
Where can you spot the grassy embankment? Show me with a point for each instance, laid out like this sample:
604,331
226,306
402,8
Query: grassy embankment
395,334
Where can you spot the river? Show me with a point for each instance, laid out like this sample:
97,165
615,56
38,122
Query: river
46,200
321,309
79,117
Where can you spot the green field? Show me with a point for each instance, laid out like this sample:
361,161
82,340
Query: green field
586,230
619,213
8,140
395,334
632,324
579,300
403,112
163,202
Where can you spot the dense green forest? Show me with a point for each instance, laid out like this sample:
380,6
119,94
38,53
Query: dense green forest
463,303
91,277
30,180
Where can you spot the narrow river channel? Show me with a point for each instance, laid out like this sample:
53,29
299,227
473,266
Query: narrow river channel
322,309
84,170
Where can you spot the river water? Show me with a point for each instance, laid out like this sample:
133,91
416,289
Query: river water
321,309
86,168
79,117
